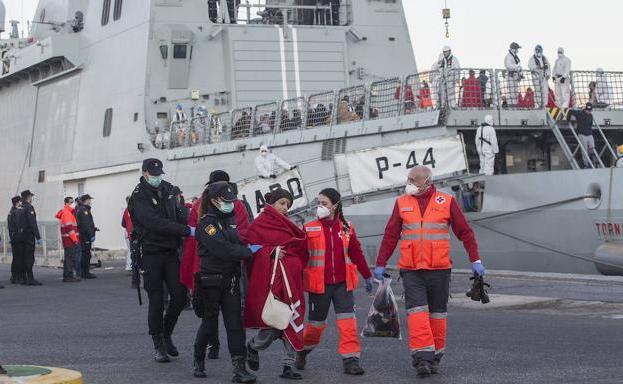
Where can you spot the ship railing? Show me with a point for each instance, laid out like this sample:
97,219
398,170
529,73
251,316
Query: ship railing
352,104
385,98
520,90
468,88
321,107
603,89
292,114
241,122
265,118
220,127
420,93
312,13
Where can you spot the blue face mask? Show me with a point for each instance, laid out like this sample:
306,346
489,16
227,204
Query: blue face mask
226,207
154,181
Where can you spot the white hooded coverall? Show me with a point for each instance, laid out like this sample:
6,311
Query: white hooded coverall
268,164
541,72
487,147
562,77
448,67
513,77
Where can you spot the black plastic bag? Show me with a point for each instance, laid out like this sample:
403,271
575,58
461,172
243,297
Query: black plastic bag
383,318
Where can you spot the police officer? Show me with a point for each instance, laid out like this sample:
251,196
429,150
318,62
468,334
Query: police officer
16,263
86,227
27,237
160,225
221,250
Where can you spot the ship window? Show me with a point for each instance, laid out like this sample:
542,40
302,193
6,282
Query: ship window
106,12
162,115
107,122
179,51
41,178
117,10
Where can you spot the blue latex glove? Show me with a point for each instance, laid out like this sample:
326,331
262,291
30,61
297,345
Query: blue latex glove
192,231
93,239
369,282
478,268
378,273
39,241
254,248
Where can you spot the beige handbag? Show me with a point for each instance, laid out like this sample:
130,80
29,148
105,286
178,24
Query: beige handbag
277,314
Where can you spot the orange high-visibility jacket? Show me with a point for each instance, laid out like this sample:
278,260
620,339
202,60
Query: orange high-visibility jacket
313,274
425,239
69,229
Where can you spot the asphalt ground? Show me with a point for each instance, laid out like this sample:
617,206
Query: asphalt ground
572,332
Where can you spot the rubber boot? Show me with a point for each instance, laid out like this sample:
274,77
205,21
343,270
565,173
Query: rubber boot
199,364
288,373
160,352
253,358
352,367
301,360
241,375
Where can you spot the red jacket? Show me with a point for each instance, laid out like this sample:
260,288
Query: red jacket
472,96
458,222
126,222
334,264
69,228
190,258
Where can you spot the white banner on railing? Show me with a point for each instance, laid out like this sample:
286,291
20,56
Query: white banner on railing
386,167
253,190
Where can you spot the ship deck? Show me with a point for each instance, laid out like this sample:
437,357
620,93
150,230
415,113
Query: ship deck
539,328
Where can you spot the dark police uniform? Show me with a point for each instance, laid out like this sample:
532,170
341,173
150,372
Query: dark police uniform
221,252
160,225
27,235
86,228
17,262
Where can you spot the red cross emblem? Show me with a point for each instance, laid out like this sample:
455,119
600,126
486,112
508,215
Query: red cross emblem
440,200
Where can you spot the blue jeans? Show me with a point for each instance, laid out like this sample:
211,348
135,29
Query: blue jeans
78,259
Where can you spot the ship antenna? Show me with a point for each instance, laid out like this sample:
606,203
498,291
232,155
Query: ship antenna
446,15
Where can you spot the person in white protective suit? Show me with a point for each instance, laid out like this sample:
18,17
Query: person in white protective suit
512,63
267,163
541,72
562,79
603,90
447,65
486,145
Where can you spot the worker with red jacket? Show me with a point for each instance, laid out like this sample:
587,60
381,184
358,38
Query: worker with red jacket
69,236
190,258
421,221
330,276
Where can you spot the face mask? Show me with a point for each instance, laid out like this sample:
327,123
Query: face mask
322,212
539,54
226,207
411,189
154,181
264,154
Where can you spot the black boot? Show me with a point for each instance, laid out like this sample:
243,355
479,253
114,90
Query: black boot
288,373
241,375
253,358
213,352
434,367
301,360
422,368
199,364
352,367
169,346
160,352
31,279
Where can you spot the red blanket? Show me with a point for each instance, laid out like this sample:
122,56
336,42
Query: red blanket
272,229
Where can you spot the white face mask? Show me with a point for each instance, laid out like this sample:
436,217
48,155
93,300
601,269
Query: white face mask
322,212
264,154
411,189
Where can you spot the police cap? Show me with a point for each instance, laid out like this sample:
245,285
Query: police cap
25,194
16,199
221,190
153,166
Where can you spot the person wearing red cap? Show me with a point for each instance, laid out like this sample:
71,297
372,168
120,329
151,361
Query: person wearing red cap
421,222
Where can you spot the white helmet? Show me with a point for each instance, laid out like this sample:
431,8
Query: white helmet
488,120
446,48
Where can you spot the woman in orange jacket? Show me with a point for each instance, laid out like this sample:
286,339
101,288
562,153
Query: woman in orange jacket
330,276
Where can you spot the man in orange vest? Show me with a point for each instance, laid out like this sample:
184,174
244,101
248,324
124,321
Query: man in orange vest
69,235
421,221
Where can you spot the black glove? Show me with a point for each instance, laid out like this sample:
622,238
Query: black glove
292,167
273,176
562,80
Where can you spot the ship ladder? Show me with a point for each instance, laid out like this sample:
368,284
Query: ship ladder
571,145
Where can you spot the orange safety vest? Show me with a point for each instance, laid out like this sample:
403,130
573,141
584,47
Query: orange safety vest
425,239
313,274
